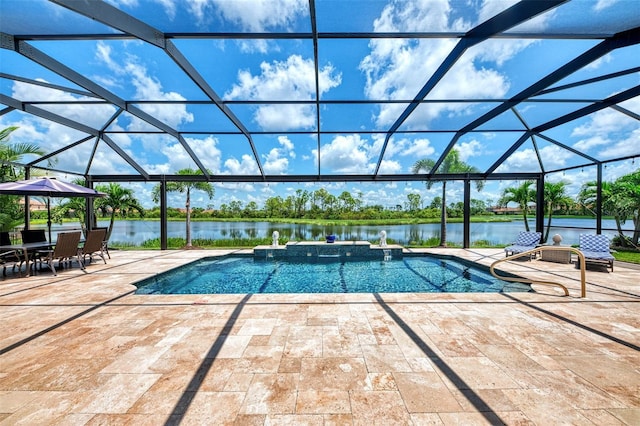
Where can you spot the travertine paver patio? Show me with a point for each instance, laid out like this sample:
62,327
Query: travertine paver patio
81,348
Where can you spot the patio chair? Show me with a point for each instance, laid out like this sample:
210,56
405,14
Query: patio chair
525,241
94,245
595,249
66,249
8,257
33,236
105,242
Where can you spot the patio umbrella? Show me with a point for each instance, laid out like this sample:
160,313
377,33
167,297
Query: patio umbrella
48,187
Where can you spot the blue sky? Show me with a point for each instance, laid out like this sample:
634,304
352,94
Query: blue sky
362,69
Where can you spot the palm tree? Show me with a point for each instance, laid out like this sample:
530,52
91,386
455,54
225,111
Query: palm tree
70,207
522,195
118,200
451,164
627,198
10,211
620,199
186,187
13,152
588,197
554,196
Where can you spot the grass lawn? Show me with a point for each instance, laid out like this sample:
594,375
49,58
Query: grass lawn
627,256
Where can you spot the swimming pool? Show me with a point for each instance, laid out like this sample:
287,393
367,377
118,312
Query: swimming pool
242,275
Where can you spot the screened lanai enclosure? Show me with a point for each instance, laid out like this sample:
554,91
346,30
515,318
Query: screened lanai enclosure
259,95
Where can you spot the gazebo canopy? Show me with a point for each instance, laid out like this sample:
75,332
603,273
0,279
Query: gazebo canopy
289,90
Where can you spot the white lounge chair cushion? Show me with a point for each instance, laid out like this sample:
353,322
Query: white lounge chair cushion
525,241
529,239
594,243
599,255
595,246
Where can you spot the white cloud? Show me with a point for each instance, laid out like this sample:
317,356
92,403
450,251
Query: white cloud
345,154
128,3
390,167
417,15
498,51
624,147
392,66
208,152
287,145
255,45
553,157
469,149
176,157
285,117
51,136
603,4
169,7
92,115
600,62
520,161
585,145
148,87
246,166
131,71
275,164
574,179
29,130
257,16
276,161
378,196
293,79
418,148
352,154
615,133
242,191
605,122
103,54
489,9
525,160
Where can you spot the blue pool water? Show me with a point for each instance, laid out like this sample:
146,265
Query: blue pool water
233,275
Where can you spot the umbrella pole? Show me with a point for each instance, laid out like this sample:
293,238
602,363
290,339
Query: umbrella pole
49,217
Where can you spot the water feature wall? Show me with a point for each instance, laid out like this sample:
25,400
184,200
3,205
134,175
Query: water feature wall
339,250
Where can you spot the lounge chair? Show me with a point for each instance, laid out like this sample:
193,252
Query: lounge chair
595,249
94,245
65,250
525,241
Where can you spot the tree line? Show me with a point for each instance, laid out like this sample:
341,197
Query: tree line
321,204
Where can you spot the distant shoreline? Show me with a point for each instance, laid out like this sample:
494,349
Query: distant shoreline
344,222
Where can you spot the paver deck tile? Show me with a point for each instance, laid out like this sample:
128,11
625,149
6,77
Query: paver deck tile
82,349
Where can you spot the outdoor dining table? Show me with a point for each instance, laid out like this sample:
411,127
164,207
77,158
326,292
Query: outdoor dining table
25,248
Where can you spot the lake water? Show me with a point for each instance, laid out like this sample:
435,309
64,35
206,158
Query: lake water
502,233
